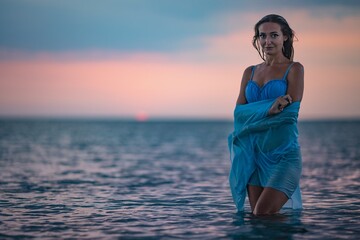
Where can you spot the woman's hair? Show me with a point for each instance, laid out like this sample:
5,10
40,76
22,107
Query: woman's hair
288,49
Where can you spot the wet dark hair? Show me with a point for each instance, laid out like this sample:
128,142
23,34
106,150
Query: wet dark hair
288,49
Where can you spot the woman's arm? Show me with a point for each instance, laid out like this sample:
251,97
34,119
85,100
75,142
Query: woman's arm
296,82
245,78
295,89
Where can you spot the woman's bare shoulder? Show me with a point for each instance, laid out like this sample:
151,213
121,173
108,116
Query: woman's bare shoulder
247,73
297,67
296,71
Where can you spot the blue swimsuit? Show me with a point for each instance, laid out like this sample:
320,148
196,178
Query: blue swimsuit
271,90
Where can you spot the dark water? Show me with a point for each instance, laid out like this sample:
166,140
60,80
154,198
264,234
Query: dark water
163,180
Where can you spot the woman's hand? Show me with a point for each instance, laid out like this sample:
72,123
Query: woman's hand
279,104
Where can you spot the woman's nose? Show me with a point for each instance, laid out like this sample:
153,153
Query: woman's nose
268,40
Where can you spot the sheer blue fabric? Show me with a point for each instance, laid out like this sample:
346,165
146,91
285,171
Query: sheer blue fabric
265,144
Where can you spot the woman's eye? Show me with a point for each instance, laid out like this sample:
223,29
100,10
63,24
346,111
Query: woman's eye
274,35
262,36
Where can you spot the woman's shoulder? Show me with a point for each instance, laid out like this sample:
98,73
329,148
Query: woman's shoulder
247,74
296,71
248,70
296,67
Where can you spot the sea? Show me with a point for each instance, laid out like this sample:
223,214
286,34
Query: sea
164,179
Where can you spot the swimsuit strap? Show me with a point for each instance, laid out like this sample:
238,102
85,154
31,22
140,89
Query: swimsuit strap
287,71
252,72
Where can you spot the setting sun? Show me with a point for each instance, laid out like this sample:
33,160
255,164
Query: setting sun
141,117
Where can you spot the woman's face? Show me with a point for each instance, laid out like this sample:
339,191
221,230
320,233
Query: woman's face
271,38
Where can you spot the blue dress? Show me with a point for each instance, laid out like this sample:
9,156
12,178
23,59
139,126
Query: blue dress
264,149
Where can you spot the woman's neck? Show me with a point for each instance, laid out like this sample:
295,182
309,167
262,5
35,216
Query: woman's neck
276,60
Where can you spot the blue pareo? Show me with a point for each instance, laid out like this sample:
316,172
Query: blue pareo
264,151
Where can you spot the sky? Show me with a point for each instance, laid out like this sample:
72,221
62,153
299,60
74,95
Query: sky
148,59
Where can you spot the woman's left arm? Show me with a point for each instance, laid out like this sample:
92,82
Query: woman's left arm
294,92
295,80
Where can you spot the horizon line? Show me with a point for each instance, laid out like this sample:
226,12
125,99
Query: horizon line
157,119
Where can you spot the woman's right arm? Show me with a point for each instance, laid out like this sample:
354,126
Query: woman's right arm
245,78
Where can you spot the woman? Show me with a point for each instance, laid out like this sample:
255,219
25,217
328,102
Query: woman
264,150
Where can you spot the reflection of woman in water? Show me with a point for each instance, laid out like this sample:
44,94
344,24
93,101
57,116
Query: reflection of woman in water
265,154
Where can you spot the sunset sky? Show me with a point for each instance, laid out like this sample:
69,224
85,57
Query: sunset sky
166,59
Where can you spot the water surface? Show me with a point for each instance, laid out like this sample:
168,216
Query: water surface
163,180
